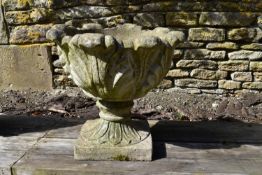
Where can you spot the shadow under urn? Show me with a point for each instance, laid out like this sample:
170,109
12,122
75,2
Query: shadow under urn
115,66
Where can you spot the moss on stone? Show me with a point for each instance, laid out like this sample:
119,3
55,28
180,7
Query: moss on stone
121,158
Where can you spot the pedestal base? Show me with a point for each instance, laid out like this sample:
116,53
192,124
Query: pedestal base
103,140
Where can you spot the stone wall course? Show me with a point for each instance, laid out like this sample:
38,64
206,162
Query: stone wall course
231,19
208,74
206,34
195,83
199,54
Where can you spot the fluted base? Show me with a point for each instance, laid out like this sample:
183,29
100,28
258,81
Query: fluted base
104,140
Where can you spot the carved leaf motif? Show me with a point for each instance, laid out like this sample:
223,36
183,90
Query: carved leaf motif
113,133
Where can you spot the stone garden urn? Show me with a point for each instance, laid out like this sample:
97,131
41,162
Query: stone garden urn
114,66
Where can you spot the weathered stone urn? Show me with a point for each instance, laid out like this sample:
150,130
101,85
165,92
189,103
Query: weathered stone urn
115,66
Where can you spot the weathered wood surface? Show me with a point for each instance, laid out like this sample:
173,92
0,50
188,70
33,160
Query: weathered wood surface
179,148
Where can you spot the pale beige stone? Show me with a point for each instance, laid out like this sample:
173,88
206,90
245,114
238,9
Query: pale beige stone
241,76
196,64
208,74
256,66
206,34
233,65
252,85
257,76
25,67
177,73
224,45
195,83
181,19
229,84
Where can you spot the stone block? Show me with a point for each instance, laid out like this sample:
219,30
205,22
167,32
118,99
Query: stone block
199,54
206,34
233,65
30,16
195,83
241,76
196,64
252,85
252,46
150,20
239,34
112,21
227,18
225,45
177,73
257,76
11,5
208,74
259,21
178,54
258,37
87,149
229,84
245,55
3,27
63,81
189,45
25,67
181,19
87,11
256,66
165,84
29,34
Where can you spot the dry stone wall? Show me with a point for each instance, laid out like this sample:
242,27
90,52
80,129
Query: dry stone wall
222,51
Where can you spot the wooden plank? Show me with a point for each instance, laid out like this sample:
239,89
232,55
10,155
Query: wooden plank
55,156
7,159
17,143
64,164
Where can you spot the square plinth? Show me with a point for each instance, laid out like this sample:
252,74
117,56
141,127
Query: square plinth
93,150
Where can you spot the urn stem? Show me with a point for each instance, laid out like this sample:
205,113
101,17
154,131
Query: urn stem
115,111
